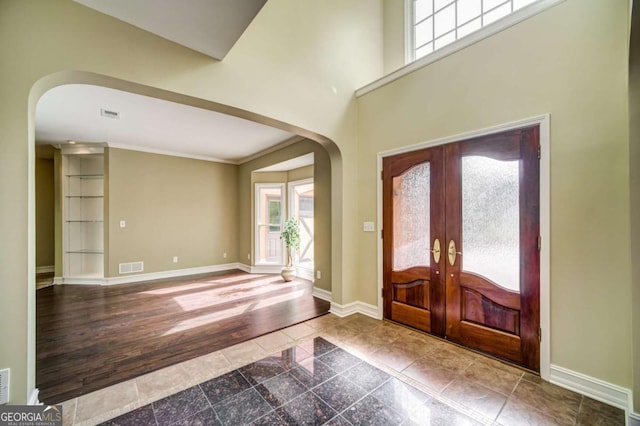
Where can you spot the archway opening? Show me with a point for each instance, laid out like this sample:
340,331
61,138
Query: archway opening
328,170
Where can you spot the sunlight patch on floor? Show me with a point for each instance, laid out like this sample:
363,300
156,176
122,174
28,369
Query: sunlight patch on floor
217,296
179,289
227,313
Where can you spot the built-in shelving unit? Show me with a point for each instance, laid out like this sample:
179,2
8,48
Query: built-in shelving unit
83,215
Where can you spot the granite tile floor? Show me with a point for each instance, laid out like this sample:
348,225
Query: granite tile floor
340,371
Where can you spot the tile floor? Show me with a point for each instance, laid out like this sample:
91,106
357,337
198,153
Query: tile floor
340,371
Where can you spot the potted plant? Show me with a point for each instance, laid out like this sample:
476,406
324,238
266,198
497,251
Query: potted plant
291,236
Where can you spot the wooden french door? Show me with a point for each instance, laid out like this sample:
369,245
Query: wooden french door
461,243
413,197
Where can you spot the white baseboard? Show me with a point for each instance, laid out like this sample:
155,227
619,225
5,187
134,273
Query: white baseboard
321,294
244,267
355,307
132,278
634,419
265,269
593,388
305,274
33,398
171,274
79,281
45,269
125,279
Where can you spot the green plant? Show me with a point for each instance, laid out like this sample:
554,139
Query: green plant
291,236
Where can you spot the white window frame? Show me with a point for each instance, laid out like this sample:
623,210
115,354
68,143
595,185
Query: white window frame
484,32
290,187
258,224
495,27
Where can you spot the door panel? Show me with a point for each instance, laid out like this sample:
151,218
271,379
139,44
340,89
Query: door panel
412,285
492,209
485,289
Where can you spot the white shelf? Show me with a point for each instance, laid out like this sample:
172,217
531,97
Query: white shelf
83,215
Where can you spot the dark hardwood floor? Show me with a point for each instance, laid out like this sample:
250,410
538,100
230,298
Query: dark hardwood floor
90,337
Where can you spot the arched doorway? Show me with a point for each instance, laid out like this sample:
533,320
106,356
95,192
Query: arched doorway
331,151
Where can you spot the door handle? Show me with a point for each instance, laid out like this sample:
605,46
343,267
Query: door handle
436,251
452,253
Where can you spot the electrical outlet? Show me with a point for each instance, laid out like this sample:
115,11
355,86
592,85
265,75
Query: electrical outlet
123,224
175,259
224,255
4,386
248,256
318,274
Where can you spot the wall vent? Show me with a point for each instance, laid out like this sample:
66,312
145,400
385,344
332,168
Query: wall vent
131,267
4,386
110,113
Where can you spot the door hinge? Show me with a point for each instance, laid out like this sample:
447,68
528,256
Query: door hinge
539,334
381,174
539,243
539,152
382,233
382,292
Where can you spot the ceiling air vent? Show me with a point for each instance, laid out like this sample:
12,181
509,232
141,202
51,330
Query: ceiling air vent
109,113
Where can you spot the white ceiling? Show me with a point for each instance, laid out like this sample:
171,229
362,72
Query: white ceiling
211,27
294,163
72,112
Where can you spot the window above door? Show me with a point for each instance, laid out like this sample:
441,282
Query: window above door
434,24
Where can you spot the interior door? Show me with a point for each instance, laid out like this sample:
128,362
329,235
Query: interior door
489,263
413,227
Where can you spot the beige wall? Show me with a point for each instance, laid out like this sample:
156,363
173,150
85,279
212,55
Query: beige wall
634,166
172,207
45,243
300,173
294,67
322,202
268,177
569,61
394,51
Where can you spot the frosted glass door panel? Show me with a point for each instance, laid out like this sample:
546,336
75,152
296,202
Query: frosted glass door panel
411,221
491,220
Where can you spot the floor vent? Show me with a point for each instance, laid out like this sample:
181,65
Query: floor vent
128,268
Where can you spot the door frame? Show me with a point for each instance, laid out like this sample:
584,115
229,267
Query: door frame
543,121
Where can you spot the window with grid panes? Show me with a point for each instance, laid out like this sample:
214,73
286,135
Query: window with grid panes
437,23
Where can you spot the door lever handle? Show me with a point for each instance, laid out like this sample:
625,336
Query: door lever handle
452,253
436,251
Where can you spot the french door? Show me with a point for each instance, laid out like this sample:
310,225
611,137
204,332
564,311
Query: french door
461,243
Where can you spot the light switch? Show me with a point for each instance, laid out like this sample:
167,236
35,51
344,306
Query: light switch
122,224
369,227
